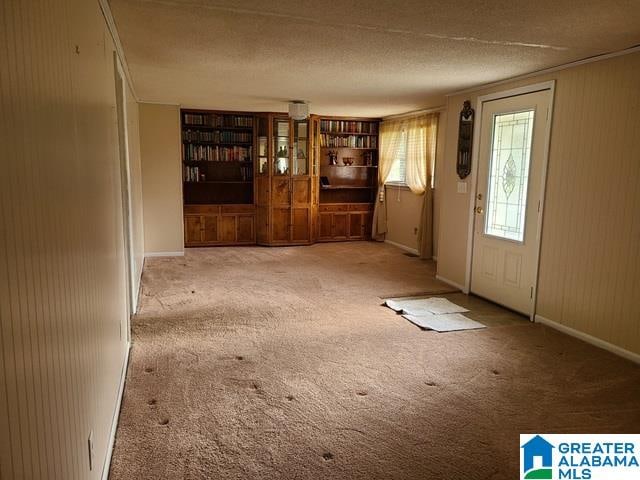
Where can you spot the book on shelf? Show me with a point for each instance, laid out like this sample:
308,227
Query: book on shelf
217,120
192,174
351,141
196,175
216,136
214,153
348,126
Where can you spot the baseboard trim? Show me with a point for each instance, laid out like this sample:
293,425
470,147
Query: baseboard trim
163,254
450,282
402,247
634,357
116,416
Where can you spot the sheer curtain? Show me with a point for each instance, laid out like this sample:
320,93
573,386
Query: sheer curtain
390,137
422,134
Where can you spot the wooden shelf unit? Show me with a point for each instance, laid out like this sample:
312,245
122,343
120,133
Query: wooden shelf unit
218,177
346,204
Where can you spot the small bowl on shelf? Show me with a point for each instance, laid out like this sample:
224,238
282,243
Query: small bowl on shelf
347,161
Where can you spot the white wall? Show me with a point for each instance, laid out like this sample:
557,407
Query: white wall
161,179
62,278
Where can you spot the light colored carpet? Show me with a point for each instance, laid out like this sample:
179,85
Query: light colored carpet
269,363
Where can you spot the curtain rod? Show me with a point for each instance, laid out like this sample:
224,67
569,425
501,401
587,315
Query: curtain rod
415,112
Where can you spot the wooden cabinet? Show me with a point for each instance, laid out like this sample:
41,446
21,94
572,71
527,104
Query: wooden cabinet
284,193
207,225
256,178
343,221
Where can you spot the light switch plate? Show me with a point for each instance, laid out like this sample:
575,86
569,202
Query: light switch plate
462,187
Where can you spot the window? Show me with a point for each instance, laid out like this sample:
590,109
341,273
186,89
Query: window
398,175
509,175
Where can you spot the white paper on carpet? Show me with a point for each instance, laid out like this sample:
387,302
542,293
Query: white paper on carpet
420,306
447,322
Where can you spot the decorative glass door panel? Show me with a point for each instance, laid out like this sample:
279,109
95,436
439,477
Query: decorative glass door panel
509,175
263,149
300,147
281,146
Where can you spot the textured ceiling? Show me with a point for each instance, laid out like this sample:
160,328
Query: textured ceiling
351,57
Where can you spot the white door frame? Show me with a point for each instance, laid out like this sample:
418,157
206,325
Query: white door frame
536,87
125,171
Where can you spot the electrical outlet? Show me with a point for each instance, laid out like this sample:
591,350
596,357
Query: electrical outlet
91,453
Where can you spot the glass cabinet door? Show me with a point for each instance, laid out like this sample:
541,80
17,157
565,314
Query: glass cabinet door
263,151
300,147
281,146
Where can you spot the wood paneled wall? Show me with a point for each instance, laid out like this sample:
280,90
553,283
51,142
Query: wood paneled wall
589,265
62,277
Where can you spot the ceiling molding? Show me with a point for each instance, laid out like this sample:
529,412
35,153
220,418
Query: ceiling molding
111,25
584,61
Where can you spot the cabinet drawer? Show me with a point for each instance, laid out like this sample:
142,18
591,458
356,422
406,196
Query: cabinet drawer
334,207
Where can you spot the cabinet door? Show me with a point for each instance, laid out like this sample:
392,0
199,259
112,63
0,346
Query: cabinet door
227,229
300,225
281,191
301,209
210,228
367,219
356,226
340,226
245,232
280,228
262,224
192,229
326,220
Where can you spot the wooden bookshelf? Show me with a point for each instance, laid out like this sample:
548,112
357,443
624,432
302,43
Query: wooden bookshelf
217,175
348,176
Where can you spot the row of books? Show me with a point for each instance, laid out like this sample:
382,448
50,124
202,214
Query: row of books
348,126
216,136
197,174
192,174
210,153
216,120
352,141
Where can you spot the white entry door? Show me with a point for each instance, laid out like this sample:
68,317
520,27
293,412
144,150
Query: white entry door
509,192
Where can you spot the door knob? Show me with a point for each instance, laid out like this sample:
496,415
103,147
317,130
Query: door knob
479,210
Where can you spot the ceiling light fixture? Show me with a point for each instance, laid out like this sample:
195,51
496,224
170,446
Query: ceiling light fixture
298,110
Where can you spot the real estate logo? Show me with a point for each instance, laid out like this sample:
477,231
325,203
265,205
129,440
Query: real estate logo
579,457
537,448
